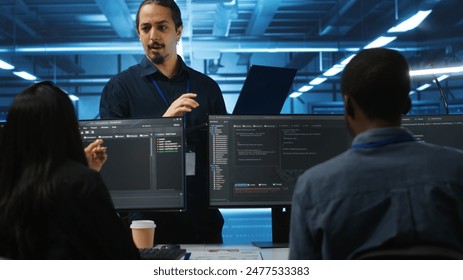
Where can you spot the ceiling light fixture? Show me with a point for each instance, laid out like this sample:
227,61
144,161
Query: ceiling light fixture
305,88
135,47
317,81
380,42
88,48
25,75
73,97
333,71
295,94
410,23
6,66
347,60
423,87
436,71
441,78
277,50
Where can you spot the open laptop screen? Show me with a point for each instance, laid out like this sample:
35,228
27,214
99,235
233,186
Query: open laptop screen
265,90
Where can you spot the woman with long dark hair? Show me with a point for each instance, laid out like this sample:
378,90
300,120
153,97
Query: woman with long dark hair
52,205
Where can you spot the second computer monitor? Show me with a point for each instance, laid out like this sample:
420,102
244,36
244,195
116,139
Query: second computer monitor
145,169
255,160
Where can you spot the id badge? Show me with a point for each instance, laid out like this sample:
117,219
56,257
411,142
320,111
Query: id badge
190,163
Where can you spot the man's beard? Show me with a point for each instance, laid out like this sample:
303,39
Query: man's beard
157,59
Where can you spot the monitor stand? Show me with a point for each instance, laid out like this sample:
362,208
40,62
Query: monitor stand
281,217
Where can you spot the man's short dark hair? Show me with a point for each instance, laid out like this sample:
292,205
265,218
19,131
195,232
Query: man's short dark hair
171,4
379,81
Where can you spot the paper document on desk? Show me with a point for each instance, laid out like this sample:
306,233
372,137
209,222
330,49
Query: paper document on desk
225,254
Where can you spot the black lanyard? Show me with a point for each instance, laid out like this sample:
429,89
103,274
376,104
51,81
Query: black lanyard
162,93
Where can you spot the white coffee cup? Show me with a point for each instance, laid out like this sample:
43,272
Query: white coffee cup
143,233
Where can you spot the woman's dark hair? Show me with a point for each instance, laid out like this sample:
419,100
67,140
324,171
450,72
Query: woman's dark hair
171,4
379,81
41,132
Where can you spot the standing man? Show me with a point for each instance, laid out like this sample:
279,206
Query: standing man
161,85
387,190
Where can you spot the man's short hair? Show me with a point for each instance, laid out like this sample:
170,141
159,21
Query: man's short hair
378,80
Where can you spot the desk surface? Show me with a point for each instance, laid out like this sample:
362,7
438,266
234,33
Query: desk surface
230,251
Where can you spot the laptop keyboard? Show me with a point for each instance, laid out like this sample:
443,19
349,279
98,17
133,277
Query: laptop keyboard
161,254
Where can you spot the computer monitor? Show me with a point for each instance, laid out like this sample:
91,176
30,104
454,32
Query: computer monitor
255,160
145,169
446,130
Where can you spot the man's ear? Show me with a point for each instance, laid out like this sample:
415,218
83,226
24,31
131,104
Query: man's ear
348,107
408,106
179,32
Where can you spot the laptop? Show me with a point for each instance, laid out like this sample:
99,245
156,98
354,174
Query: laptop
264,90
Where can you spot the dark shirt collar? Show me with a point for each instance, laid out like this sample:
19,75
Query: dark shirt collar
147,68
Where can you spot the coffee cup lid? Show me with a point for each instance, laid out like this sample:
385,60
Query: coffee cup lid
142,224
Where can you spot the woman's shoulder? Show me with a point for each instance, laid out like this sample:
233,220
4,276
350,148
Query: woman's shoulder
72,168
77,178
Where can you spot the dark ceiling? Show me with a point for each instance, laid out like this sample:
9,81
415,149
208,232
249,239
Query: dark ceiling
62,41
